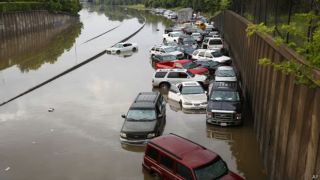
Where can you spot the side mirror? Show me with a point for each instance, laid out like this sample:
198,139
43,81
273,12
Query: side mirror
205,92
160,115
123,116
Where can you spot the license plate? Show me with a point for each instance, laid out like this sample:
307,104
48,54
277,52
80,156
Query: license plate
223,124
196,104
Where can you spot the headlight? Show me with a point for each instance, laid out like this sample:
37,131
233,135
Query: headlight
238,116
123,135
209,114
151,135
187,103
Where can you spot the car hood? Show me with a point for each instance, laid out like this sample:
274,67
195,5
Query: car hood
175,53
222,59
224,105
198,70
139,126
225,78
195,98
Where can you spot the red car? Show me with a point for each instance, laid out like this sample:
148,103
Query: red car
174,157
183,64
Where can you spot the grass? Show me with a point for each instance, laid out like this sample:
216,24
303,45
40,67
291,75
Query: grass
139,7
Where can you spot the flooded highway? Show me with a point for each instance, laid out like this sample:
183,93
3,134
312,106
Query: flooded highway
79,139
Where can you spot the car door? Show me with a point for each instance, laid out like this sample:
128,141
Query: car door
177,77
127,46
174,93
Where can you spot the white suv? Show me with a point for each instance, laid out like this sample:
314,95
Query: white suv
214,43
163,78
172,37
214,55
165,50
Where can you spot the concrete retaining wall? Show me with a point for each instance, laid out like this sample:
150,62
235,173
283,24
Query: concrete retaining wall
18,23
286,115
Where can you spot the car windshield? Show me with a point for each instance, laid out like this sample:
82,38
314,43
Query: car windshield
190,65
225,96
141,114
212,171
217,54
170,49
175,34
225,73
118,46
192,90
169,57
215,42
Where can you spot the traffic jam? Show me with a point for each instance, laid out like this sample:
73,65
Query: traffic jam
193,70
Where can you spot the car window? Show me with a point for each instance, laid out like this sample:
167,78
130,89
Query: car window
184,172
195,52
157,49
173,75
141,114
166,161
153,49
152,153
208,55
182,75
215,42
201,54
160,74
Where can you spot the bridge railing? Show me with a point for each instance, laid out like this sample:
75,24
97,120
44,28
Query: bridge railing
286,115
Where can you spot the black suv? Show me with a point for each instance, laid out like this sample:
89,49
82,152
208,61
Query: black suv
145,119
224,104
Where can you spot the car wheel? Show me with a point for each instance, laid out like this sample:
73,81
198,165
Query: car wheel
118,52
164,85
134,49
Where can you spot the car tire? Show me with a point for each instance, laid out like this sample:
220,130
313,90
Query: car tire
134,49
164,85
118,51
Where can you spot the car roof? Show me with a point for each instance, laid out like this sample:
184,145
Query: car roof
171,70
145,100
190,83
188,152
225,85
225,68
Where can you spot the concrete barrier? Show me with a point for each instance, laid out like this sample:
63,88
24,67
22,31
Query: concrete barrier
286,115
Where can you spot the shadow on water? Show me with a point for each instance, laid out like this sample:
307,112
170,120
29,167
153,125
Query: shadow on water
32,50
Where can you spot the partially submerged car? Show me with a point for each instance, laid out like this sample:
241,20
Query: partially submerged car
145,119
224,104
214,55
183,64
161,50
122,47
225,73
190,95
175,157
163,58
209,64
163,78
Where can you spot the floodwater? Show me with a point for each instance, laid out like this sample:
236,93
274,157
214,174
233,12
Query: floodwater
79,140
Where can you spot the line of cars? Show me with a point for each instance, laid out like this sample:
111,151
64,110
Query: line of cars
186,77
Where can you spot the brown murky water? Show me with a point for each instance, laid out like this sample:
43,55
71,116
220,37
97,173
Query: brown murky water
79,140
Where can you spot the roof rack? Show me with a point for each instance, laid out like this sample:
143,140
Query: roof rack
150,142
188,140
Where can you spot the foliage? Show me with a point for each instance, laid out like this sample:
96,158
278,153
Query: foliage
70,6
308,45
302,73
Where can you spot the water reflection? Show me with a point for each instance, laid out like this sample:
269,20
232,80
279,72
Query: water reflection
31,51
117,13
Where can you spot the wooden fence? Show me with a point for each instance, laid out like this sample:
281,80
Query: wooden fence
286,115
